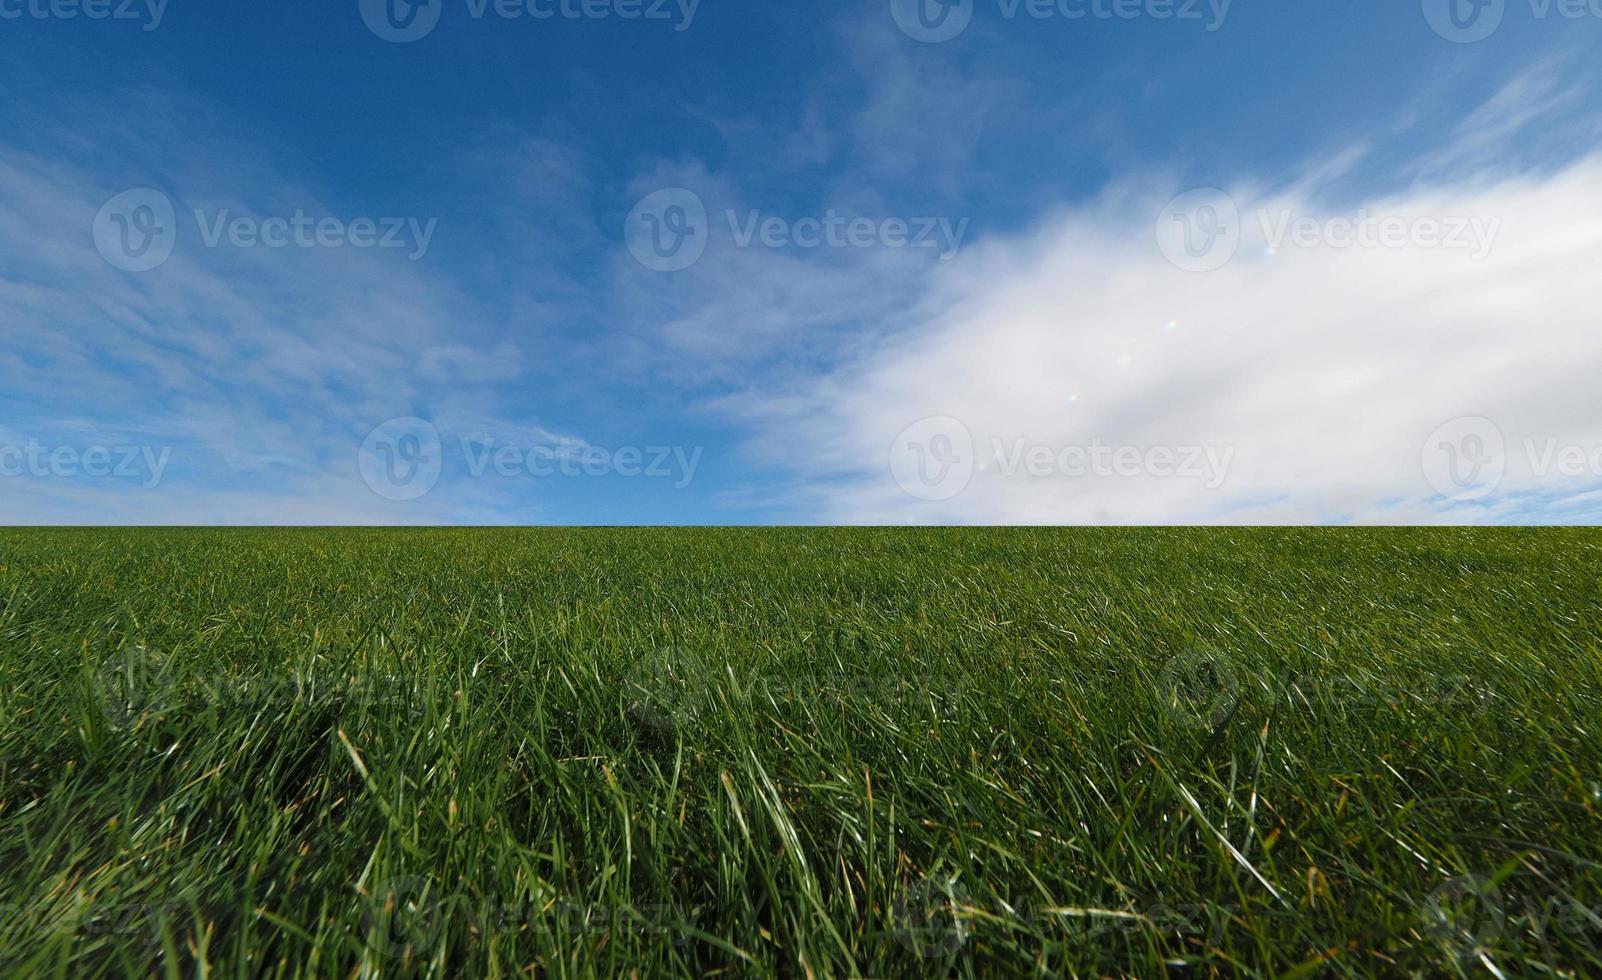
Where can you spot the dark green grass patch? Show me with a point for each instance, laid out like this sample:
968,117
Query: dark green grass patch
800,752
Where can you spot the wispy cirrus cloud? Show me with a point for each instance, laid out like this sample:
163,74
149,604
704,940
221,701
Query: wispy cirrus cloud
259,368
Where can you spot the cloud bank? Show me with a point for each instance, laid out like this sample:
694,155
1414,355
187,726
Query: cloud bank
1322,370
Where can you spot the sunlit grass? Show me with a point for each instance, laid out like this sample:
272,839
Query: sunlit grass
865,753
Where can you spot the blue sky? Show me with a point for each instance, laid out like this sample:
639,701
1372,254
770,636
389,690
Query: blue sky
798,371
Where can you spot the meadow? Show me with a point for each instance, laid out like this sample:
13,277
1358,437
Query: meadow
800,752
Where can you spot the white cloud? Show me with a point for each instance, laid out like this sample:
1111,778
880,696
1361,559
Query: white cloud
259,369
1324,369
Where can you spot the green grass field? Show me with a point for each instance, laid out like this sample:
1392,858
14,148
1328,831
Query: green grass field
801,752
